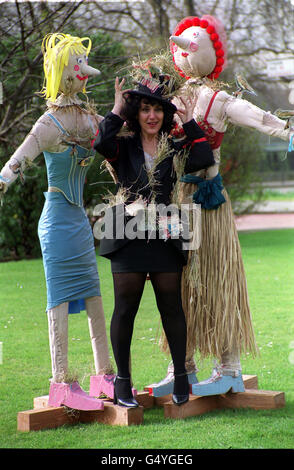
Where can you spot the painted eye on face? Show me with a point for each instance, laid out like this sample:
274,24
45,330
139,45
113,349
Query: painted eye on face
80,61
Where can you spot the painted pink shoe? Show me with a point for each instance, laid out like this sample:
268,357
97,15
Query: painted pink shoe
104,384
73,396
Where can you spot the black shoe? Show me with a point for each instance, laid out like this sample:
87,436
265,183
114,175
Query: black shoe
181,389
123,393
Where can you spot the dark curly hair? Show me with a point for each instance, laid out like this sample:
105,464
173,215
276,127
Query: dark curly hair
131,109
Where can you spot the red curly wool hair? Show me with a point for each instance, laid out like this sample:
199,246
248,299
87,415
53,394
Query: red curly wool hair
217,35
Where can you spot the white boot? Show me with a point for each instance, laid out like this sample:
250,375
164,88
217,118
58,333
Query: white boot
62,391
103,382
165,386
225,377
230,362
98,335
58,341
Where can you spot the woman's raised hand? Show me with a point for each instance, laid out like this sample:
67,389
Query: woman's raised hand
118,97
186,113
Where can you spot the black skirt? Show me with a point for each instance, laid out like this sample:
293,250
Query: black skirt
141,255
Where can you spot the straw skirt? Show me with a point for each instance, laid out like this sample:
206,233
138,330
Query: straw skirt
214,288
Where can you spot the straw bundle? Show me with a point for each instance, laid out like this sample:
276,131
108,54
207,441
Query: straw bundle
214,289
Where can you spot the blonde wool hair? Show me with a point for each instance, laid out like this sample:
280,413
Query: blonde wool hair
56,49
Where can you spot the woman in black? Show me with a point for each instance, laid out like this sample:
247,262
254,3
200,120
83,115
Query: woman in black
149,115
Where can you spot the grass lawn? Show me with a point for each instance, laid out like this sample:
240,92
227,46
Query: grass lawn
26,369
270,195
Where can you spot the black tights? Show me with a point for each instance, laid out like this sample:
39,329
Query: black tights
128,290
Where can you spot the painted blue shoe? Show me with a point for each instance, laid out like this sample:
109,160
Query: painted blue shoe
166,385
219,383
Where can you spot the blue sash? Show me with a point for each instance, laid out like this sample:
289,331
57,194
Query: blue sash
209,193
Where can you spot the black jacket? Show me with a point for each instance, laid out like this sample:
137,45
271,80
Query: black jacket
126,156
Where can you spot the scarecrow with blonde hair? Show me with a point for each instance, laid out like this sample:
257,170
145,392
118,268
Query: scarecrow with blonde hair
214,289
64,134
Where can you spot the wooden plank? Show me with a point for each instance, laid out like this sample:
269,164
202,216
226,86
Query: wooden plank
44,418
195,406
250,381
50,417
114,414
144,399
252,398
161,401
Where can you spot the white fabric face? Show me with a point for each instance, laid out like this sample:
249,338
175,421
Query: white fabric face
197,57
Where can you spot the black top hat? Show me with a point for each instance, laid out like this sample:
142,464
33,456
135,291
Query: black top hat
155,89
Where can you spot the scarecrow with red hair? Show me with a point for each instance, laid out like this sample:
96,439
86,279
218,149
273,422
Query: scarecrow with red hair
216,304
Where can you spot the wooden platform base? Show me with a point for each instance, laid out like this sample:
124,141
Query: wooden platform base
250,381
251,398
45,417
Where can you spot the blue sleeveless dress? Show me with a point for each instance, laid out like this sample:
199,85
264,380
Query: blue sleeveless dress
65,234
